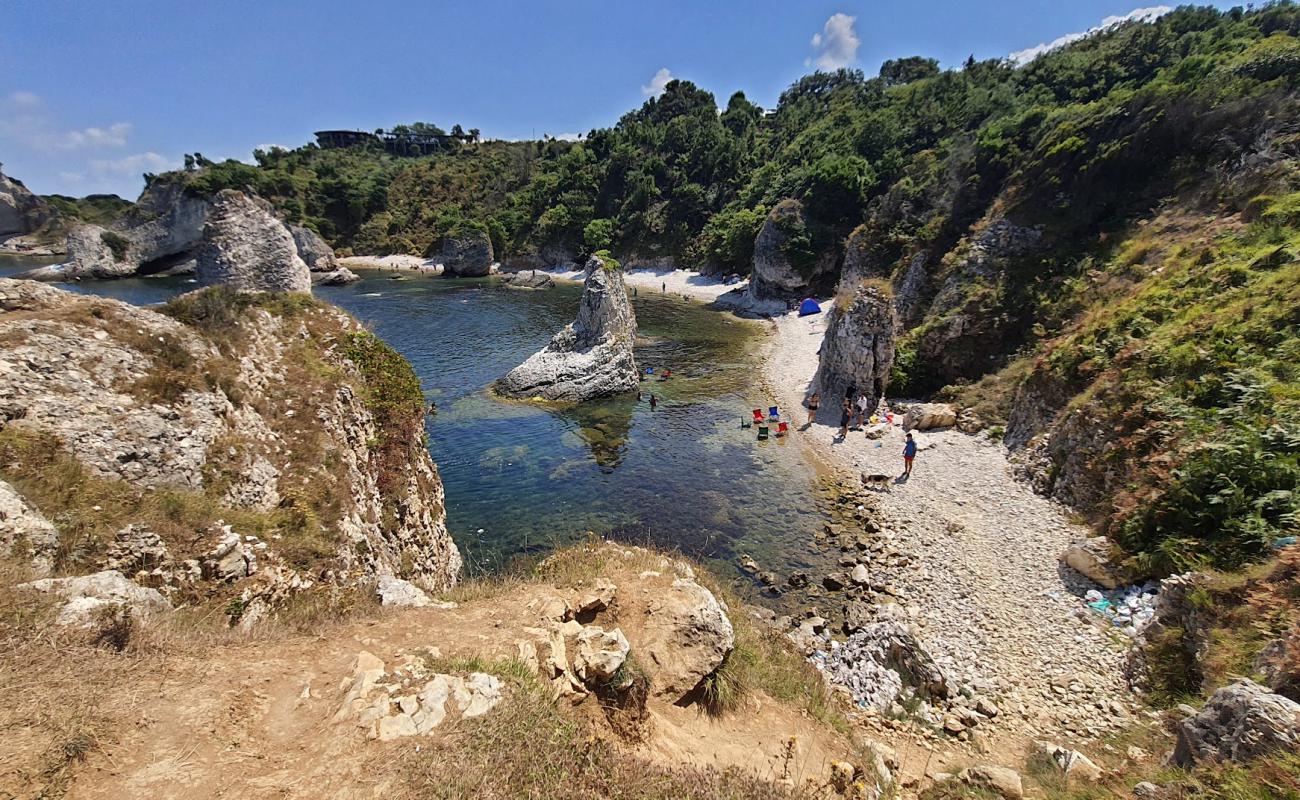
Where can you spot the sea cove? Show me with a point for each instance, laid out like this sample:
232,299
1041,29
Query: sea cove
522,479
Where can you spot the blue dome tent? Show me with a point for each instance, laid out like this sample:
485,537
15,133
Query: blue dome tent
809,306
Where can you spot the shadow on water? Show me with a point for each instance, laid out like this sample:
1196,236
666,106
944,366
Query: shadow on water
684,475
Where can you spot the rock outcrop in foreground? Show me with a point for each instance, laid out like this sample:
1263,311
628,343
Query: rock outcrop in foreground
278,413
858,350
592,356
246,248
1240,722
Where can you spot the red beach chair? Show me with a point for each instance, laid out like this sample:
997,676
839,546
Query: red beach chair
758,415
782,428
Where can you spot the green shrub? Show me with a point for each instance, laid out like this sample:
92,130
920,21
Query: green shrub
116,243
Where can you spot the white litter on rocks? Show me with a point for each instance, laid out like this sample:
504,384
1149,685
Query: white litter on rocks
1129,608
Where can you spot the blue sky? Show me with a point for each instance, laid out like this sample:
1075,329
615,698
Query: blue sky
92,94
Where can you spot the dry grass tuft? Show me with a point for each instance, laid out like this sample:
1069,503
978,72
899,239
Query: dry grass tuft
529,748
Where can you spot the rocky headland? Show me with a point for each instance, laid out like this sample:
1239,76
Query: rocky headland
246,445
592,357
21,213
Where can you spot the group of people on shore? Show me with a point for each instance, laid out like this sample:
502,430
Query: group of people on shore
854,410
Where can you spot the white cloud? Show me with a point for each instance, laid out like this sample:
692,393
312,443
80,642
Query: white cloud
836,45
657,83
1021,57
269,147
114,135
72,177
133,164
27,99
569,137
24,119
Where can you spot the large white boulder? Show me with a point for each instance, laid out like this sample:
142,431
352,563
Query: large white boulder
247,248
686,636
25,532
927,416
592,356
87,595
1092,559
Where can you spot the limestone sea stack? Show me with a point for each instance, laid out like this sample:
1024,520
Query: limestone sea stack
592,356
319,257
859,346
466,253
247,248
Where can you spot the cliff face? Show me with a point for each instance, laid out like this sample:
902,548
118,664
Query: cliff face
21,211
275,415
785,263
859,346
164,231
592,356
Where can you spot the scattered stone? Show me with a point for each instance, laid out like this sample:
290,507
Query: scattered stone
24,531
597,600
1002,781
875,664
231,559
136,548
411,700
394,591
1241,721
87,595
599,653
1071,763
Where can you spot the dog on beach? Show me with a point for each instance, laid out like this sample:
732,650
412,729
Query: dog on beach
877,482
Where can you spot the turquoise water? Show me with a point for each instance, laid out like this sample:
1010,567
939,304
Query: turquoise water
520,479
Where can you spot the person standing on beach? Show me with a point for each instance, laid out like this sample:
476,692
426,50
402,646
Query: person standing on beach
813,403
846,414
862,404
909,453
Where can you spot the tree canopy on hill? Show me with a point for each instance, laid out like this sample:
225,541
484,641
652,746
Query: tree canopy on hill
681,177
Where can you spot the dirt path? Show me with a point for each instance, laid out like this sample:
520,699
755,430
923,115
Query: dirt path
259,719
984,586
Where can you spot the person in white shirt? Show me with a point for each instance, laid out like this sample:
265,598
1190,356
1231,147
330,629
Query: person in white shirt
862,404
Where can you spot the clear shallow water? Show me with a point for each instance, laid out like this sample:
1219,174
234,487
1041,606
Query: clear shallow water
523,479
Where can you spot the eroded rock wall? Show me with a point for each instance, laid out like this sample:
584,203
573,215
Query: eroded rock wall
138,396
858,350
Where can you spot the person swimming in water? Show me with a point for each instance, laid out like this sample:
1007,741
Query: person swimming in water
654,402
